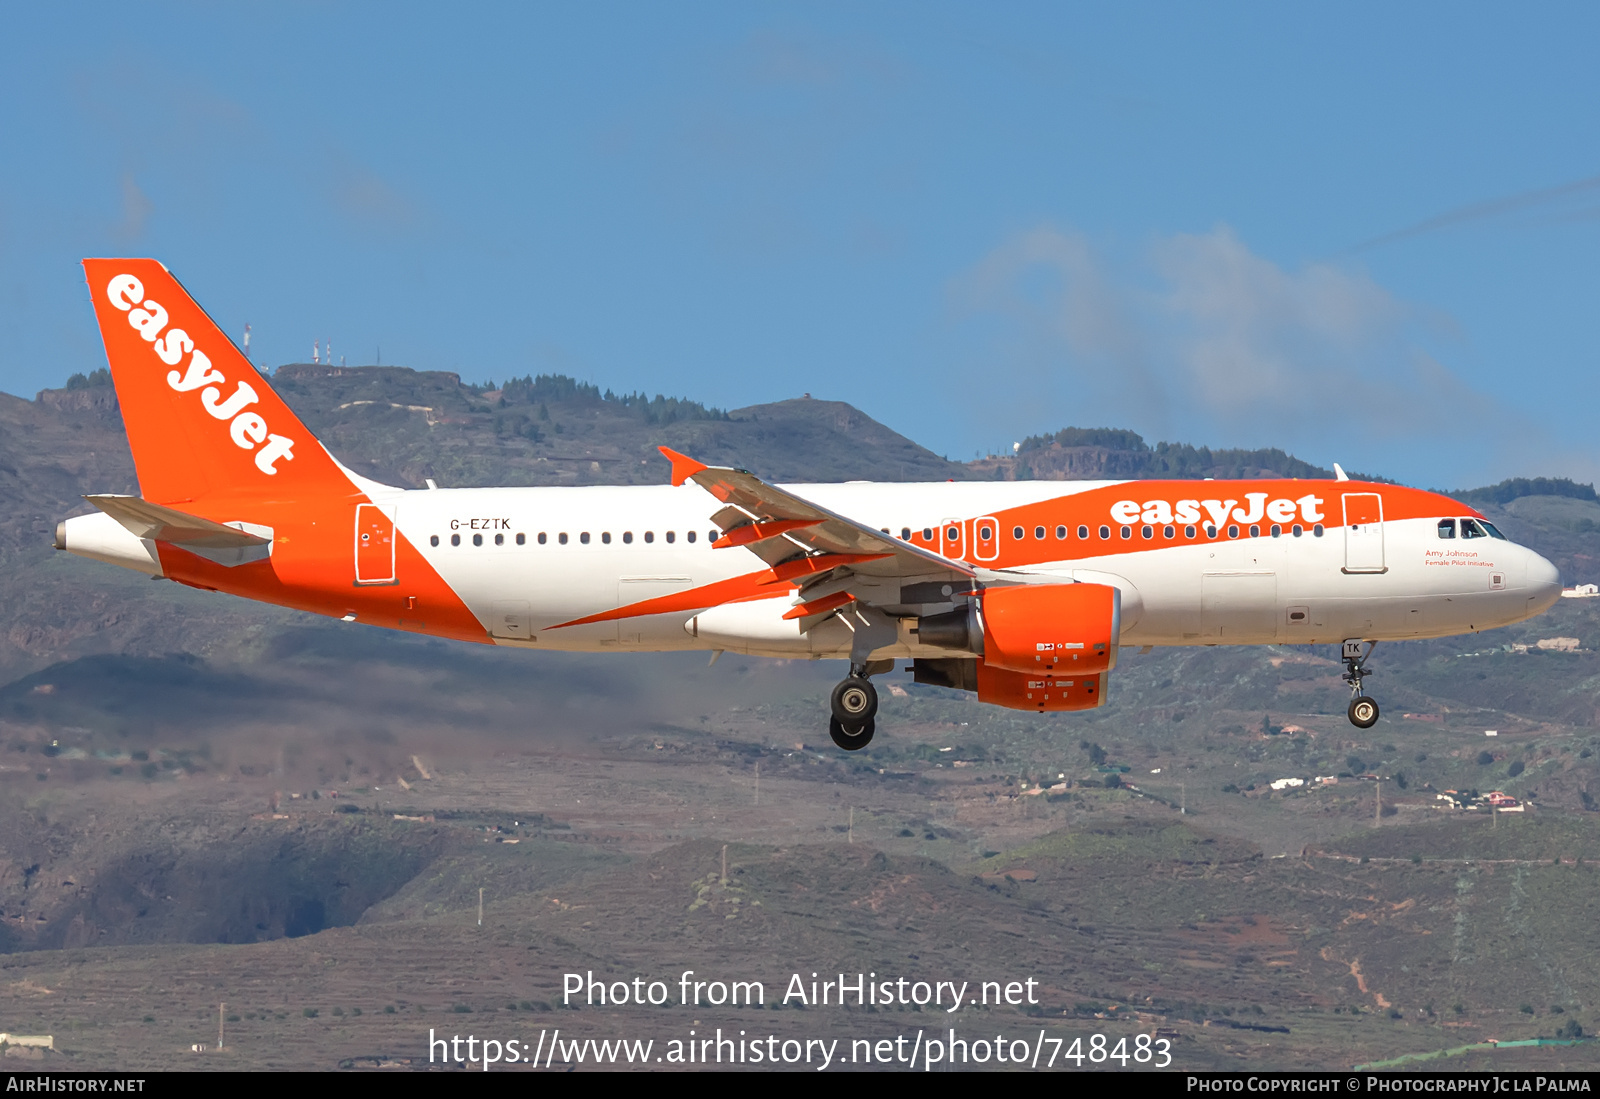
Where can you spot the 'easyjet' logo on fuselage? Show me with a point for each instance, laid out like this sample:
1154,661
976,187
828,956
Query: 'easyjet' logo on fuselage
1219,512
248,430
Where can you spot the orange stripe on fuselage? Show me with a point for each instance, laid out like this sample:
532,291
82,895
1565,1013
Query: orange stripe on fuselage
738,589
1093,509
752,585
312,568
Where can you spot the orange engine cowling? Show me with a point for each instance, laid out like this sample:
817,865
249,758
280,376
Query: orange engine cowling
1047,692
1070,629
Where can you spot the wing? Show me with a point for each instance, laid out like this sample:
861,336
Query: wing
834,560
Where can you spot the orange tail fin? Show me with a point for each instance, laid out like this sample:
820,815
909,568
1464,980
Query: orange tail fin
202,422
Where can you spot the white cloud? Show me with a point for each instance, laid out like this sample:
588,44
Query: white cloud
1198,338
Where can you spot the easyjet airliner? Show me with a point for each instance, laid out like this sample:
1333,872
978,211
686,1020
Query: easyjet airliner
1023,592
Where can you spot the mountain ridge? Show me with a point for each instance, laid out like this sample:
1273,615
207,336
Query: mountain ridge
403,427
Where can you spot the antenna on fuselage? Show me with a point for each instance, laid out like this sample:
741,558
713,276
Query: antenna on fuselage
1339,474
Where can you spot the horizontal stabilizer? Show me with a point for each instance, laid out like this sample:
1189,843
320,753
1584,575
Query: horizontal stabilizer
162,524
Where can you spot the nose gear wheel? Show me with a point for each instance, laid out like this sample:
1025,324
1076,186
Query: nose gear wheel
1363,710
852,738
854,701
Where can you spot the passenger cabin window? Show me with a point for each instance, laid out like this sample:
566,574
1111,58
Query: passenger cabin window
1447,528
499,539
1038,534
1255,531
1105,532
1188,532
522,539
455,539
711,536
1083,532
1018,533
649,537
1211,531
690,536
562,538
927,534
543,537
672,536
1298,530
605,537
905,534
1127,532
627,537
477,539
1233,531
1167,532
1317,530
1061,534
1148,531
584,538
433,541
1277,531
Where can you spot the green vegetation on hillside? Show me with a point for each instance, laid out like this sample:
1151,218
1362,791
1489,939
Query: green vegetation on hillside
93,378
1516,488
546,388
1136,458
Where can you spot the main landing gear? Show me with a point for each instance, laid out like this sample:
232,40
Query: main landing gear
1363,711
854,706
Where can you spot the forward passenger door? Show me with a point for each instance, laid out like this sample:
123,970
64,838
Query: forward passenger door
1363,532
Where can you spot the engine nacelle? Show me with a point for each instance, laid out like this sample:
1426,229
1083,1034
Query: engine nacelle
1040,692
1048,692
1052,629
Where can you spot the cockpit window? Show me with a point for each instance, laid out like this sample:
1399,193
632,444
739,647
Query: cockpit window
1494,531
1471,529
1447,528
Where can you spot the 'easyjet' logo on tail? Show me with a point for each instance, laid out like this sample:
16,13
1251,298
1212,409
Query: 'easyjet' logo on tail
1159,512
248,430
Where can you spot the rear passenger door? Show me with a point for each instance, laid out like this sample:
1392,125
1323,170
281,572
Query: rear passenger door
374,547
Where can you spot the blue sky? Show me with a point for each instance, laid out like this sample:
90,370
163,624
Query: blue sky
1365,233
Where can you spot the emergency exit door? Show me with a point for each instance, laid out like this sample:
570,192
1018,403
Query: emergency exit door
374,546
952,540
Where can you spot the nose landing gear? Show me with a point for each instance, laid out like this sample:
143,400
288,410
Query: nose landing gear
854,706
1362,711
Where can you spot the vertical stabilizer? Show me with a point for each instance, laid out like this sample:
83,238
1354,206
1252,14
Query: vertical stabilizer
202,422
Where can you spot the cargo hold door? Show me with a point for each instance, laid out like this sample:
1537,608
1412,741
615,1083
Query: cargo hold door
1239,608
637,593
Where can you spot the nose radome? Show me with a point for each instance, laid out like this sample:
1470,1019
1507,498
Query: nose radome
1544,584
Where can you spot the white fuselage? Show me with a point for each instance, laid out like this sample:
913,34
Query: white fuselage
592,550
